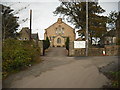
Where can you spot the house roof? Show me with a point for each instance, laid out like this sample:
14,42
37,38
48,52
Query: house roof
26,29
34,36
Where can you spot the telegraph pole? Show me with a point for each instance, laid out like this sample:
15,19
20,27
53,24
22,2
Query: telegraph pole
87,28
30,23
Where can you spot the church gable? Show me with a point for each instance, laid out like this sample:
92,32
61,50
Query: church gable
58,32
58,24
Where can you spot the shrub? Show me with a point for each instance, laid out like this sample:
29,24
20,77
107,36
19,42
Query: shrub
18,54
46,44
67,43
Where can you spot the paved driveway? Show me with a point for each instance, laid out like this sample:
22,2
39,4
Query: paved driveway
60,71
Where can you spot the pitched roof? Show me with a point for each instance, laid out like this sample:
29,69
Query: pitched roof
59,21
26,29
34,36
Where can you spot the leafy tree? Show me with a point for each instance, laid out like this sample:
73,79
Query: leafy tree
118,24
112,20
76,14
67,43
9,23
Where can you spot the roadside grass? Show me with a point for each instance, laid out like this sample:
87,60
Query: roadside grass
114,77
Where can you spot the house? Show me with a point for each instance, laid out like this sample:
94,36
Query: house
58,32
25,35
108,38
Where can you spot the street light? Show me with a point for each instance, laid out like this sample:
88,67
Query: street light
86,27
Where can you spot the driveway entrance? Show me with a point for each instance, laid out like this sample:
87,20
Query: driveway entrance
57,52
60,71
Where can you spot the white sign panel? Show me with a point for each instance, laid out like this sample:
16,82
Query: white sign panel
79,44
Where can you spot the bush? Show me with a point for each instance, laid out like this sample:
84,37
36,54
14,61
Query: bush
18,54
46,44
67,43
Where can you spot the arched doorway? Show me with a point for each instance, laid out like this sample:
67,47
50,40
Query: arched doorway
58,40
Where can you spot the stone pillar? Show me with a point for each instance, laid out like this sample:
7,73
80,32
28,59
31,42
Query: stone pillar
40,44
71,49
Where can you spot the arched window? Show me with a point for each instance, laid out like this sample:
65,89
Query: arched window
58,40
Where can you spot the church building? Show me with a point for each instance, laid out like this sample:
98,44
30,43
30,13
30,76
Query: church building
58,33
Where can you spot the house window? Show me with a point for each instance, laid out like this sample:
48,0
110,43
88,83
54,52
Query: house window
58,40
25,38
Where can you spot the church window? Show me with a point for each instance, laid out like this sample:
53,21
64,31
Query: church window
59,30
58,40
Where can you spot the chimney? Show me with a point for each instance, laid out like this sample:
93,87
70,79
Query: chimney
59,20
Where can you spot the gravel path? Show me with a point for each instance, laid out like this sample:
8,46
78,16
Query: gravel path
60,71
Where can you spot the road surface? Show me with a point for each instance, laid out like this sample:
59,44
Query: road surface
60,71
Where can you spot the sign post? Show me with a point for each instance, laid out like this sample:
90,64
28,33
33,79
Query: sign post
30,23
79,44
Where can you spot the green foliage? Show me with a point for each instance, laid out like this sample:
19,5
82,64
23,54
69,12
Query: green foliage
67,43
112,20
9,23
46,43
114,77
76,14
18,54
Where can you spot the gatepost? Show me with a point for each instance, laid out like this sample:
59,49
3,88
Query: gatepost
71,49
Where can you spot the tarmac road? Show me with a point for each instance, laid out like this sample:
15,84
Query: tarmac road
60,71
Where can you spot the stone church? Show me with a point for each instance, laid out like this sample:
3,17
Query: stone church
58,32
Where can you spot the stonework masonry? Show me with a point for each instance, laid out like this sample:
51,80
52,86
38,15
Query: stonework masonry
58,32
110,50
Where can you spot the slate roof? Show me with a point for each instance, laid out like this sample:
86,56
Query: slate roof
34,36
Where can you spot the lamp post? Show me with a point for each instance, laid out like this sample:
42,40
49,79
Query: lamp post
30,23
86,27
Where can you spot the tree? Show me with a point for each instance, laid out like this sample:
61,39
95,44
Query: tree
112,20
76,14
9,23
67,43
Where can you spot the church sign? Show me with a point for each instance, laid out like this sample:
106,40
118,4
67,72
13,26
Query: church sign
79,44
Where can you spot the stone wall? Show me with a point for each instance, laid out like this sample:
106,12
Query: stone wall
110,50
96,51
71,49
40,44
80,52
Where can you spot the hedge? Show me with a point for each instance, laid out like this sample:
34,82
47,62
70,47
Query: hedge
17,55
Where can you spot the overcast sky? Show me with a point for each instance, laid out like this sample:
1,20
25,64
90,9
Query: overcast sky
43,15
